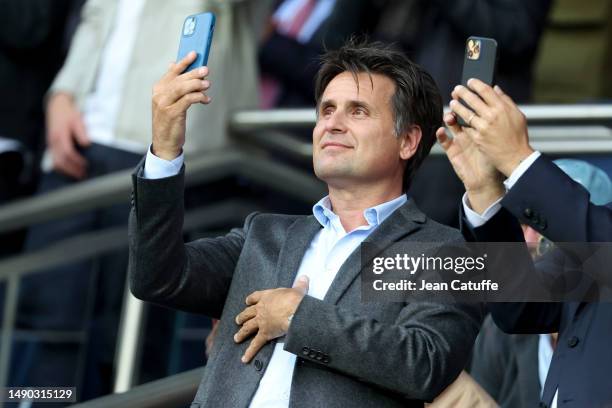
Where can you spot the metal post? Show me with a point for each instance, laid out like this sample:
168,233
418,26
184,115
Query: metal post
8,324
128,341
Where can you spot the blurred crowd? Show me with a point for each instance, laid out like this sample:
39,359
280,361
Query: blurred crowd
76,79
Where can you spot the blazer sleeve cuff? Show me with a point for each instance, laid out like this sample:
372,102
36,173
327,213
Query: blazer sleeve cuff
152,191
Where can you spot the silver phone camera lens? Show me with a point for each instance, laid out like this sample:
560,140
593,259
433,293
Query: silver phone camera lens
189,27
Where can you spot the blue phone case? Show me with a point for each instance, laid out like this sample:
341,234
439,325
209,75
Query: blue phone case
196,35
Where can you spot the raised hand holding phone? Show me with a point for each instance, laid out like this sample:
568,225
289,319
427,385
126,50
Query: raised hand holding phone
482,181
173,94
184,84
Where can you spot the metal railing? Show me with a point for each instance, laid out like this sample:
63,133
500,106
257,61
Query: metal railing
115,188
553,129
175,391
577,129
250,120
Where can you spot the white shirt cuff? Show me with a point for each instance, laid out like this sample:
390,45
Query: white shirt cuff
476,220
521,169
156,168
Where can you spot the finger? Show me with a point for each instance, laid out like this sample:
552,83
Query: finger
80,133
63,166
186,101
182,65
484,91
254,297
68,151
474,102
256,344
507,100
302,284
200,73
466,114
182,88
68,165
443,138
76,164
246,314
450,120
246,331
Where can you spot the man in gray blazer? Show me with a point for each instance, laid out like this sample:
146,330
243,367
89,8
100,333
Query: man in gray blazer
294,331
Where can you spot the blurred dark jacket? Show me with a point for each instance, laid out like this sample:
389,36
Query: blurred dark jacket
434,34
295,65
506,366
33,44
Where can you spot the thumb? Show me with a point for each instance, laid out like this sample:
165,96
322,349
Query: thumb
80,132
443,138
302,284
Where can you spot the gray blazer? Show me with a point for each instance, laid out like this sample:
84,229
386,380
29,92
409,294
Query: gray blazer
349,353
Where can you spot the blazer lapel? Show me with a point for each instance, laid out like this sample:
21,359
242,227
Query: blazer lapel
404,221
299,236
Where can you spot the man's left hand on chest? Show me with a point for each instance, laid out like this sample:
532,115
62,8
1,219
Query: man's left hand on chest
267,315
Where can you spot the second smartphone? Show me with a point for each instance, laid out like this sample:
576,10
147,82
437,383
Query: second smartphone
480,62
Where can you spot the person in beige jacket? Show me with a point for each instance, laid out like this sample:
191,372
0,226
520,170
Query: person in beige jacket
99,121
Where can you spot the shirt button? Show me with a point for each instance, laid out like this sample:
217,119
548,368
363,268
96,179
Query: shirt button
528,212
305,351
573,341
258,365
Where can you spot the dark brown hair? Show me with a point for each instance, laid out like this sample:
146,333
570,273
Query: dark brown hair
417,100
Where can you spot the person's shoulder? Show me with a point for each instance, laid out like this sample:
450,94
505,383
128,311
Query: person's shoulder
428,230
434,231
273,219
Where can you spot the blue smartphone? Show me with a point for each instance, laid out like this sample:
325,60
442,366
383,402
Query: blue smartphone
196,35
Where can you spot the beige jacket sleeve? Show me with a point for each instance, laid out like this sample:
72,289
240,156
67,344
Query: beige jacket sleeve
78,73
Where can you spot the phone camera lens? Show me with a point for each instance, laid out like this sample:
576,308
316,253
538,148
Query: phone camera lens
189,27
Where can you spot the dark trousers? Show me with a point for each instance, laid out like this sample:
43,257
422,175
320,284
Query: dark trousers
80,300
17,180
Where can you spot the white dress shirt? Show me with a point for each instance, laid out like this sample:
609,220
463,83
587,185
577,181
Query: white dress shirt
545,353
328,250
101,108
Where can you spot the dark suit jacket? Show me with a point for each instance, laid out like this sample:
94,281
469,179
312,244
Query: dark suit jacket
349,353
295,65
506,366
32,48
552,203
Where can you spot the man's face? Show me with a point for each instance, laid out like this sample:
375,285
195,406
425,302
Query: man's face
354,139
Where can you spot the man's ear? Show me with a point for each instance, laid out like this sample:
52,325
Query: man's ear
409,142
